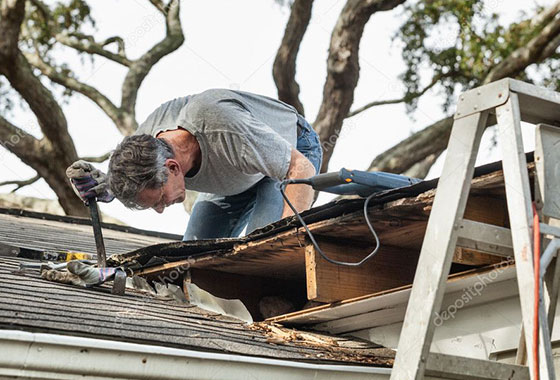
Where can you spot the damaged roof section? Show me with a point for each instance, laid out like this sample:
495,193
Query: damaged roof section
29,303
279,260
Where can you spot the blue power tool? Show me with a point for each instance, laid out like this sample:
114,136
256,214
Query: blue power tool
358,182
349,182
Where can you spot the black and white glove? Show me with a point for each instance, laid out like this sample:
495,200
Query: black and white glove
89,182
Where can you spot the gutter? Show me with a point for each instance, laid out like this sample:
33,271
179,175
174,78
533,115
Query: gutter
49,356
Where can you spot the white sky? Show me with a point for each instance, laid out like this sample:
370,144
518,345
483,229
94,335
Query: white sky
232,44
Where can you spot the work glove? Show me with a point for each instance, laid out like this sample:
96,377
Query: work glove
89,182
79,273
89,274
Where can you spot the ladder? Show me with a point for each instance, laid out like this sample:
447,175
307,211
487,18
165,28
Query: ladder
507,102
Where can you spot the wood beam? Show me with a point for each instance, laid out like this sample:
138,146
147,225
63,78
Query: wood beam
326,282
468,256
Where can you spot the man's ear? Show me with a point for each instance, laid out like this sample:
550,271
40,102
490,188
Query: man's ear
173,166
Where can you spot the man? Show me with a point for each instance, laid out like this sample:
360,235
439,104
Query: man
233,147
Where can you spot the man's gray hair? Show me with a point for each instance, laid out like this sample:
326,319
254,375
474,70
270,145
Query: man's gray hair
138,163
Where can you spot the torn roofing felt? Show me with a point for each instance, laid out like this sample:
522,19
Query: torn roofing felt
202,252
32,304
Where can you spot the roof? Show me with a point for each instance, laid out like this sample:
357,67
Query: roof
275,260
39,235
29,303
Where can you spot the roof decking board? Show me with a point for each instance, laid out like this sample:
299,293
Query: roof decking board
282,255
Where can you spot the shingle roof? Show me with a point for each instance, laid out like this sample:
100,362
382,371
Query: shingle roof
30,303
39,232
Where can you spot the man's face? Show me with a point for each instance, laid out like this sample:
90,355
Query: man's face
172,191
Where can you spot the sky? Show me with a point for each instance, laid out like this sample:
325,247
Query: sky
232,44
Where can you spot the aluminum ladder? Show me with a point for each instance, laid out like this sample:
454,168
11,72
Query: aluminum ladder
507,102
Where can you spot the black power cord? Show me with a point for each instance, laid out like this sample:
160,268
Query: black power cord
312,238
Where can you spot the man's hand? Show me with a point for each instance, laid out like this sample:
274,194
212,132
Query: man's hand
89,182
301,196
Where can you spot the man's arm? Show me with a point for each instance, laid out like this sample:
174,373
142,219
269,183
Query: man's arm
301,196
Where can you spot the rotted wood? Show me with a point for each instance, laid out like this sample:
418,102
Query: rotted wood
326,282
400,223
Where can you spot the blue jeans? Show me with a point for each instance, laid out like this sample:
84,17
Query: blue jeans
216,216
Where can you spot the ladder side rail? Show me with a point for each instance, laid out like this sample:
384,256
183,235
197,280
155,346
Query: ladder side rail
547,182
552,281
438,247
518,196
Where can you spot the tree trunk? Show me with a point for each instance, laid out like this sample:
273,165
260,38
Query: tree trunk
430,141
50,155
343,70
284,68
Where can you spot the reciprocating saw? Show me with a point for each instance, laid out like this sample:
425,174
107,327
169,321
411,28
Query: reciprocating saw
356,182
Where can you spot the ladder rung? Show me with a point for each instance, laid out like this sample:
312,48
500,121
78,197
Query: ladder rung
485,237
461,368
547,229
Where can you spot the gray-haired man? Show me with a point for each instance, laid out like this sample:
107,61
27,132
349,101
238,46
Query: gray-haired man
233,147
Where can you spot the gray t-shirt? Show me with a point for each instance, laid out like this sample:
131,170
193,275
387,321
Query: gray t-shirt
243,137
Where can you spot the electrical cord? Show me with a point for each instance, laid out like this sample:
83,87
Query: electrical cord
312,238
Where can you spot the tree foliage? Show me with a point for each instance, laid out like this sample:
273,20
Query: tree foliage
459,42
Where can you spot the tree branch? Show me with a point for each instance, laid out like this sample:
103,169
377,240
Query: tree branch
19,142
159,5
12,13
530,53
284,68
416,152
551,47
80,41
73,84
123,116
21,183
42,103
17,70
343,69
406,97
43,9
141,67
55,151
545,16
98,159
431,140
87,44
422,168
